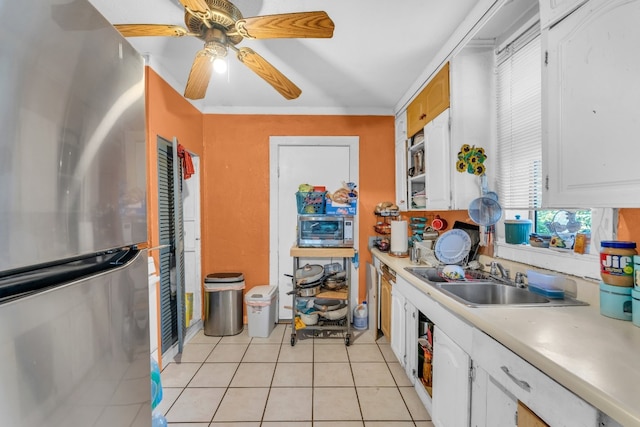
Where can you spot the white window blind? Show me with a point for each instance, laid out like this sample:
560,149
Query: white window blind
519,122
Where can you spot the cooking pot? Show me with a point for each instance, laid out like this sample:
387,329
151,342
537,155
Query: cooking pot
333,282
308,274
339,313
307,291
309,319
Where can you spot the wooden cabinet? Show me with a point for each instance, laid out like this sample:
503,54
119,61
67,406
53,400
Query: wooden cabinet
526,417
385,307
398,327
451,392
552,11
430,102
590,107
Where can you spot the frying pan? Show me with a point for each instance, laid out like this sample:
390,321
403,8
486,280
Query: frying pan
308,274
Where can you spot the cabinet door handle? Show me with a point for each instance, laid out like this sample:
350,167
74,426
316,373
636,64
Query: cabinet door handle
522,384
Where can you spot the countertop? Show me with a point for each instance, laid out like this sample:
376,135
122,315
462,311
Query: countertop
596,357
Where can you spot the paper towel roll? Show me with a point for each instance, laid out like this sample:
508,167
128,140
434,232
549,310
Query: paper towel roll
399,237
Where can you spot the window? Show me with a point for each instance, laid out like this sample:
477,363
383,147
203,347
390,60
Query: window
519,161
519,118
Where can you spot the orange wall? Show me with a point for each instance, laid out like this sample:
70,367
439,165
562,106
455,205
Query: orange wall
629,225
168,115
236,183
234,152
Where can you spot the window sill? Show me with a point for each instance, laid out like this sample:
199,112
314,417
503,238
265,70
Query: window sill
568,262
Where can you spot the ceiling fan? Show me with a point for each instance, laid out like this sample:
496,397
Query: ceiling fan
221,26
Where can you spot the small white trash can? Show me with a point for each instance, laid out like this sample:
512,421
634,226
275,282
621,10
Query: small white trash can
261,310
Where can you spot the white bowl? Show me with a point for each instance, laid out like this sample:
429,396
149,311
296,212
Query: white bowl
453,272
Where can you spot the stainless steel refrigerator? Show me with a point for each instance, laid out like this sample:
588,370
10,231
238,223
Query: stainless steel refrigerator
74,318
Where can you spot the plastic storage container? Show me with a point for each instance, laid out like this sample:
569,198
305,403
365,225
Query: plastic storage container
616,262
223,304
261,310
635,306
615,301
549,285
361,316
516,231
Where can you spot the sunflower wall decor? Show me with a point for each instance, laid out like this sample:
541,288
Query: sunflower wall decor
471,160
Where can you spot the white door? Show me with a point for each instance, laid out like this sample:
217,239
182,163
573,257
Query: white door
192,249
324,161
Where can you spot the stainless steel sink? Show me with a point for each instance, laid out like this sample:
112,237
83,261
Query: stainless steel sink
475,294
479,289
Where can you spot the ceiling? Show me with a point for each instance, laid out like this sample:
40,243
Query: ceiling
378,52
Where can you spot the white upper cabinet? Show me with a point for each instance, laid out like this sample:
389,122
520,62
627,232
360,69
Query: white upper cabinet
472,116
438,162
552,11
401,160
591,108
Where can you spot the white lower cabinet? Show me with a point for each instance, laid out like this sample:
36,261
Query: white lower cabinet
451,391
476,380
510,379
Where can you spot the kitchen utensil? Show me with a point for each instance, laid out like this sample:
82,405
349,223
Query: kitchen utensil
339,312
309,273
414,254
453,272
326,304
485,211
473,230
334,282
306,292
309,319
453,246
439,223
430,233
334,267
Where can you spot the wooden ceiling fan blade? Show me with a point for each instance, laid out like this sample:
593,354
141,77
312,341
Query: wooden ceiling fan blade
144,30
199,75
196,5
269,73
288,25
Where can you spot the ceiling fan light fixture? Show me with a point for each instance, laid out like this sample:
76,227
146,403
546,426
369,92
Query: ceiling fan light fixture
220,65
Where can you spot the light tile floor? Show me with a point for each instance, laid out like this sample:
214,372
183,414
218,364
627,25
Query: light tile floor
239,381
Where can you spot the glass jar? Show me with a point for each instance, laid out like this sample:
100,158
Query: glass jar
616,262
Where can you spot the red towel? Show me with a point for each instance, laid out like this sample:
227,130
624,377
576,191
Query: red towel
187,163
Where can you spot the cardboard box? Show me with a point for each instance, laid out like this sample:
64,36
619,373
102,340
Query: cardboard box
338,209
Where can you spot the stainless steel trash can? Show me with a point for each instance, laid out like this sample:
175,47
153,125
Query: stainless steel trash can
223,304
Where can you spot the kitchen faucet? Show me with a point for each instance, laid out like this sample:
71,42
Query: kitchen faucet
496,267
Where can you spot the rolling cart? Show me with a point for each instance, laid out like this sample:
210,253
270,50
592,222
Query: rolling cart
343,295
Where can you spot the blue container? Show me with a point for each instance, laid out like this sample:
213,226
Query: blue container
635,306
615,301
516,231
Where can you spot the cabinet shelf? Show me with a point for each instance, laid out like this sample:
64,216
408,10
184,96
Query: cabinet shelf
416,147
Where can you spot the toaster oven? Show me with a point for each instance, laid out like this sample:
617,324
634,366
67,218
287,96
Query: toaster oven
325,231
